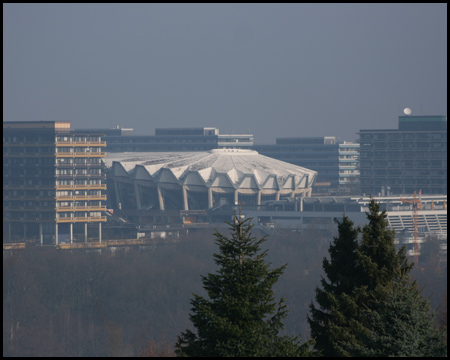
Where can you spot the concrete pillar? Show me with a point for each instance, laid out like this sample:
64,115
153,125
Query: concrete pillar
138,195
160,197
185,200
71,232
100,232
277,195
85,232
116,190
56,233
236,197
41,236
210,198
258,197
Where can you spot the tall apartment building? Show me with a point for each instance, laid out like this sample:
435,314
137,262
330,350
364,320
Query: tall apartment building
336,163
410,158
174,139
53,182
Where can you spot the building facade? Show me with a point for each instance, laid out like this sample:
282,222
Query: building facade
53,182
336,163
410,158
174,139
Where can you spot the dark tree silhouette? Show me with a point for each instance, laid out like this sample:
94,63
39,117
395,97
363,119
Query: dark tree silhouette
241,317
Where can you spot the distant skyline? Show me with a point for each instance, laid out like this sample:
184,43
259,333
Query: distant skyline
273,70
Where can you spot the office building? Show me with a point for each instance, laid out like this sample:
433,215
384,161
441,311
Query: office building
174,139
336,163
53,182
410,158
105,132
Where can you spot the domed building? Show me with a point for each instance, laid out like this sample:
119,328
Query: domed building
201,180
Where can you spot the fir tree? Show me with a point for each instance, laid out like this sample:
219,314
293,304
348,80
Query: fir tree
399,323
328,322
241,318
381,261
355,271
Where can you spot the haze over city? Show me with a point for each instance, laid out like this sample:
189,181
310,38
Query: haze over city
274,70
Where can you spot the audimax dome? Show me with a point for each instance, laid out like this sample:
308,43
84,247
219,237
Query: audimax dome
201,180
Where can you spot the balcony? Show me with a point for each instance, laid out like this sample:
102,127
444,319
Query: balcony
82,187
81,143
80,154
81,219
80,197
81,208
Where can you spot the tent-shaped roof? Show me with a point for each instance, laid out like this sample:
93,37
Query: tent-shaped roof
236,163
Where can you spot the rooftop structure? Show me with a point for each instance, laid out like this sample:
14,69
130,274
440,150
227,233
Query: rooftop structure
104,132
201,180
176,139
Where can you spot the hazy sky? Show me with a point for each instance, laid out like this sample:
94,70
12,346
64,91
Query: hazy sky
276,70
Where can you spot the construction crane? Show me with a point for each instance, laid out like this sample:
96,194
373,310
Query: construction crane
416,205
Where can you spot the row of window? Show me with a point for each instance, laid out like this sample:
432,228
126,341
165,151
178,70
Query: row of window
83,171
73,182
78,138
31,215
78,149
28,150
409,145
78,214
65,161
405,164
403,136
432,182
125,141
78,192
32,138
29,204
330,149
78,203
403,154
28,193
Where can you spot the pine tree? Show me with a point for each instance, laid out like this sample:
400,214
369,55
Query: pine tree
355,270
241,318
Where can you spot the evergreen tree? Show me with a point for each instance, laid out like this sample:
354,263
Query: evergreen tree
399,323
343,272
241,318
380,260
355,270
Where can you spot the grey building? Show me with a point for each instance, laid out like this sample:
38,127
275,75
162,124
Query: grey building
175,139
410,158
53,182
337,163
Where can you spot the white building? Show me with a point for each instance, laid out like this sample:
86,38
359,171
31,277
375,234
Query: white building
201,180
